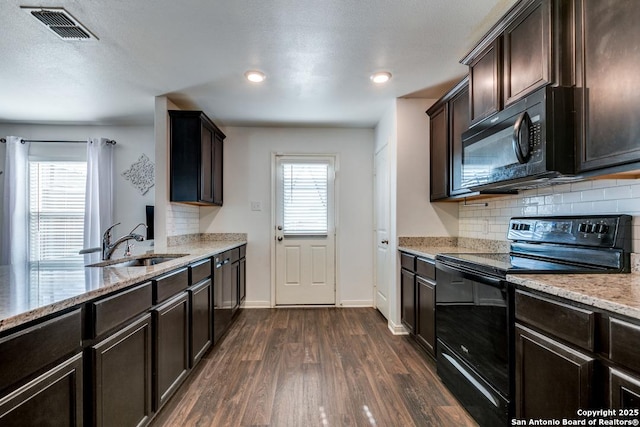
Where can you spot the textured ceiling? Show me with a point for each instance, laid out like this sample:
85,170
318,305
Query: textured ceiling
317,55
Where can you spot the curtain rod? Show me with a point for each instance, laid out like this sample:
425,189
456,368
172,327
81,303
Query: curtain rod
3,140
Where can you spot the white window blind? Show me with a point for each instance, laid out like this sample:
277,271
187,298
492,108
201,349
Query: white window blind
305,187
56,209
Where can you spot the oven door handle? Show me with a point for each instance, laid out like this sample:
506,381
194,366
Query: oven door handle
467,273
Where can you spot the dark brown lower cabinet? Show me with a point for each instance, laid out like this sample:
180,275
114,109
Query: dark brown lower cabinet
426,322
553,380
171,349
242,286
408,299
122,376
201,332
51,399
624,389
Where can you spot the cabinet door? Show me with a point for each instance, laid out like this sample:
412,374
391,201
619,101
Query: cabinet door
485,83
243,280
527,52
235,286
52,399
206,164
608,96
201,331
171,350
408,297
122,376
552,379
218,143
459,123
625,390
438,142
426,322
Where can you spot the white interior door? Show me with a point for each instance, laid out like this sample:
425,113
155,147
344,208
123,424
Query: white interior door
305,230
382,212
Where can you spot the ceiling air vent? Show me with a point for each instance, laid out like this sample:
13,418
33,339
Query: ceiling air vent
60,22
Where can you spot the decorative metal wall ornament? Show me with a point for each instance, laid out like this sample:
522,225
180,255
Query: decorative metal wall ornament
141,174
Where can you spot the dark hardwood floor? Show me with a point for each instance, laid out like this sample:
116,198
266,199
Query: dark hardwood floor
313,367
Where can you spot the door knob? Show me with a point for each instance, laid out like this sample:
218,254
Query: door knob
279,238
385,242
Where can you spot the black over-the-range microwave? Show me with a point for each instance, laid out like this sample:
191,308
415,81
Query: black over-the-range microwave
525,145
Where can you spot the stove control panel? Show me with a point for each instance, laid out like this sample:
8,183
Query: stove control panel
599,231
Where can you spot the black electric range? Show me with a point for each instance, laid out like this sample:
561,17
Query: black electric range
474,302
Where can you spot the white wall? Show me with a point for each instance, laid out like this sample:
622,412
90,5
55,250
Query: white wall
132,141
247,178
416,216
405,129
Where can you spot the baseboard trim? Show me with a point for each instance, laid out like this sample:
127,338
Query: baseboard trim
357,303
397,329
256,304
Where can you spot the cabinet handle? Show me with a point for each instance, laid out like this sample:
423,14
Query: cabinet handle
279,238
385,242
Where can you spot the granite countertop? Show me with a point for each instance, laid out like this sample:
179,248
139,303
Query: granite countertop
616,293
33,292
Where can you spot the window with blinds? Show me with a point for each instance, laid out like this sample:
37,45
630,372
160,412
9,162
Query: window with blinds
305,209
56,210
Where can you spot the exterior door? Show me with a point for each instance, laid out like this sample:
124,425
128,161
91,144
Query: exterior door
305,230
382,231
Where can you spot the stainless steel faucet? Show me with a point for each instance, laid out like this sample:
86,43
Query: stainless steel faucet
108,248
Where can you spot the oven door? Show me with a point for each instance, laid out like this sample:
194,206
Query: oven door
473,321
473,334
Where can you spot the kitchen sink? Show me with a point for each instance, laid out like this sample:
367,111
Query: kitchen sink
138,261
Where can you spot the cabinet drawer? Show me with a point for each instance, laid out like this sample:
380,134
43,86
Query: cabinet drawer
200,271
408,261
114,310
27,351
243,251
572,324
170,284
426,268
624,343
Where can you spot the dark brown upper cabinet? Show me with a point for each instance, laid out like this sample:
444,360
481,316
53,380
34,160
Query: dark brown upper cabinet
449,118
485,82
196,159
608,84
521,53
458,124
439,152
527,52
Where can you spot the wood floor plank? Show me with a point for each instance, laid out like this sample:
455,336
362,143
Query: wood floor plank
313,367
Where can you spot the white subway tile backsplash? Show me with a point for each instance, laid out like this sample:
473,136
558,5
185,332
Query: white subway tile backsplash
571,197
581,186
630,206
182,219
613,193
591,195
603,183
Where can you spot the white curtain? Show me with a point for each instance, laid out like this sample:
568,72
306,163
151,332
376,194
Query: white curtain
98,212
15,224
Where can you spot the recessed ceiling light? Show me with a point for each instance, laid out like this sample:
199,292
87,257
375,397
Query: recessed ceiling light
381,77
255,76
